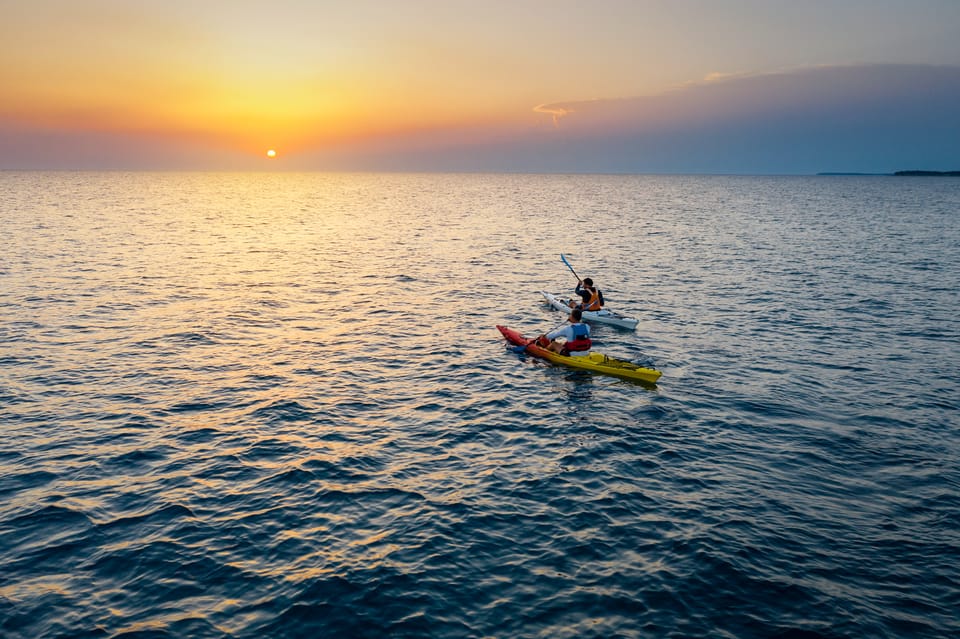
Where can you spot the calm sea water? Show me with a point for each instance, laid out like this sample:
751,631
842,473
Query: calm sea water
276,405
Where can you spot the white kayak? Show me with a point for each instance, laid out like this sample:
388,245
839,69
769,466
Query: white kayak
603,316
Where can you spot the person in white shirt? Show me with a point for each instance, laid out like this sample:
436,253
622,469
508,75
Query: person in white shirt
576,333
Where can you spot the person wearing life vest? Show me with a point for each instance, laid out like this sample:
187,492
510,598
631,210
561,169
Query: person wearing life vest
590,294
576,333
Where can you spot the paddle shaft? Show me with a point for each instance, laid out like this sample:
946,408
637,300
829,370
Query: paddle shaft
570,267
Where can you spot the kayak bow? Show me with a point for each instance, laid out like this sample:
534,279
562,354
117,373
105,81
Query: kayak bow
596,362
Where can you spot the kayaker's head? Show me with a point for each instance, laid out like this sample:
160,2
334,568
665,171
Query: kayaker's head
576,315
587,281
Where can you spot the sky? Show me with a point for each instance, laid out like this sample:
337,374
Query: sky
633,86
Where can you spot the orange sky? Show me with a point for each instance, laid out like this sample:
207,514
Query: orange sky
298,76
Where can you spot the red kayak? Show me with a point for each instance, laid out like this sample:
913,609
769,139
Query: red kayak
596,362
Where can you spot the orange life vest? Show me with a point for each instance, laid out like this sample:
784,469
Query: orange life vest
594,303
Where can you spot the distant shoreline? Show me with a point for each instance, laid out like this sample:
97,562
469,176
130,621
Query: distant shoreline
924,173
904,173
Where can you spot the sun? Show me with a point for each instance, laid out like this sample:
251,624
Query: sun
271,153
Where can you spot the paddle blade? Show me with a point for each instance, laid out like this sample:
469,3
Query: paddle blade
519,348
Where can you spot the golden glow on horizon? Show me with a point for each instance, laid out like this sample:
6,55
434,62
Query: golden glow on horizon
159,73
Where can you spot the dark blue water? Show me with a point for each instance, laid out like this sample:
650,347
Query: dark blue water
276,405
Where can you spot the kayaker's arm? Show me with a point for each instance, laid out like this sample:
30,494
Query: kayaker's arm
582,292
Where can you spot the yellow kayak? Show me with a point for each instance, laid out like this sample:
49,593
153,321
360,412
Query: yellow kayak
596,362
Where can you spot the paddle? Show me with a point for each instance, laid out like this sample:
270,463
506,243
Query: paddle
580,281
570,267
519,348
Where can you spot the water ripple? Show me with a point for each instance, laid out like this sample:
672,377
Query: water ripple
244,406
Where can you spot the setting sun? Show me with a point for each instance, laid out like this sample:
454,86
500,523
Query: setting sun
271,153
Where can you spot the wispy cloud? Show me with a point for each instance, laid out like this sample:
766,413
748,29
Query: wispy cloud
721,96
556,111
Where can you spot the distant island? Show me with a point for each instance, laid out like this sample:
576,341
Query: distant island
911,173
905,173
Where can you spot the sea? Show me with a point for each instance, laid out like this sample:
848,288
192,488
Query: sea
245,405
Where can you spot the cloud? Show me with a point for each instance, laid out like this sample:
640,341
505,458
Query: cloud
874,118
803,91
556,111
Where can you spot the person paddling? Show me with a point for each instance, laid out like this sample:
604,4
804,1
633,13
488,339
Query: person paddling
590,294
576,333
